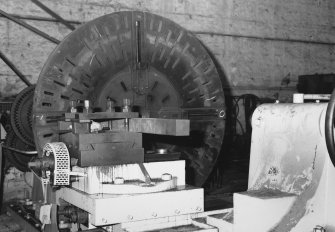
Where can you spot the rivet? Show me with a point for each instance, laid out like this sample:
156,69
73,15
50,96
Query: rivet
222,114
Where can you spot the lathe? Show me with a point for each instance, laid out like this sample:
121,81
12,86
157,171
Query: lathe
128,103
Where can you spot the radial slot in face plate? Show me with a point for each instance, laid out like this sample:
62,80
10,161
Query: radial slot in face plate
156,64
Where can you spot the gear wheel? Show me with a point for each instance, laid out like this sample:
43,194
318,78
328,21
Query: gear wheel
18,160
21,115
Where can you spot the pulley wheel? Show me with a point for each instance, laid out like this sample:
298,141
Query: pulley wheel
21,115
148,59
18,160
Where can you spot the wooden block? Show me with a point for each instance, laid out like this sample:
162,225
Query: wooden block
160,126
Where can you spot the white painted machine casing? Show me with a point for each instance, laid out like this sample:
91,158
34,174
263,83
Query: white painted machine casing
288,156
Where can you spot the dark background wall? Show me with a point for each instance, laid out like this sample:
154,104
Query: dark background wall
262,46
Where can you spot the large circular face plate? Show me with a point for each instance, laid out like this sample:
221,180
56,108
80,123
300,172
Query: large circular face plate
141,56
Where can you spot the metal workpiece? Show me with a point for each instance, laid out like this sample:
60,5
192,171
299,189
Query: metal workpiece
100,149
158,126
87,117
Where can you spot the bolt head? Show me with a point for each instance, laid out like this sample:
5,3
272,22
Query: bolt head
119,180
166,176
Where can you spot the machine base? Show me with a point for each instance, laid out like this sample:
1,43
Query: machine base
106,209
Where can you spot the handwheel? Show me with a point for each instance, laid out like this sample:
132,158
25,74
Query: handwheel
18,160
329,128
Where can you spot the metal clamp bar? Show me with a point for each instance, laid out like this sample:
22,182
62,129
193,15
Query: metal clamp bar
300,97
12,67
145,173
29,27
39,18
